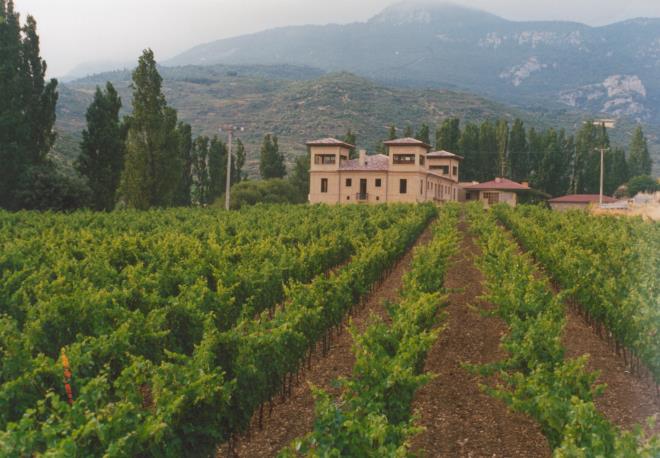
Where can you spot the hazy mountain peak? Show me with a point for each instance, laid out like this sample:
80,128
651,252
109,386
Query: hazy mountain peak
428,11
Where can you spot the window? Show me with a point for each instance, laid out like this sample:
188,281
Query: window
348,197
349,182
421,186
403,186
421,160
324,185
492,197
324,159
404,159
378,182
454,170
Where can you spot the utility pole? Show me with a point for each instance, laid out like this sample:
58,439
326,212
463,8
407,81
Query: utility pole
602,150
230,140
605,124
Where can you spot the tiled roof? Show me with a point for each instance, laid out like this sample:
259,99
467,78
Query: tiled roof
408,141
582,199
329,142
375,162
444,153
503,184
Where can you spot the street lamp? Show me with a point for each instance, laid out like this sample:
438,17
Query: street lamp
229,128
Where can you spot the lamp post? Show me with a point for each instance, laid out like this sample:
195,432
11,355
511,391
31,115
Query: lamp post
230,128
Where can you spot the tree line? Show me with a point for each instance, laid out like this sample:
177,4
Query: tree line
147,159
551,160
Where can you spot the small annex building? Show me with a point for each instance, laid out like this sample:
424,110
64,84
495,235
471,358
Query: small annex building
499,190
411,172
578,201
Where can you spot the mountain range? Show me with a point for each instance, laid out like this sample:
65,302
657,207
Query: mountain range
612,70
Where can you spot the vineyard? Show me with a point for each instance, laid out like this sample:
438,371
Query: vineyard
172,332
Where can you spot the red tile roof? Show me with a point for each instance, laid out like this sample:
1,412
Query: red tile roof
444,153
582,199
374,163
329,142
498,184
408,141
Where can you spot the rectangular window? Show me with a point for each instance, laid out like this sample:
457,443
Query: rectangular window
324,185
492,197
404,159
378,182
421,186
324,159
349,182
421,160
403,186
454,170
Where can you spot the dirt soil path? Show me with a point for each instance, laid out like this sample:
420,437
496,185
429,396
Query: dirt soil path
627,400
294,417
460,419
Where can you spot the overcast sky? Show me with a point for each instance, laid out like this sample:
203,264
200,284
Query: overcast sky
77,31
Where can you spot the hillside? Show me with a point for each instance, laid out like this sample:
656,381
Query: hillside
612,69
297,105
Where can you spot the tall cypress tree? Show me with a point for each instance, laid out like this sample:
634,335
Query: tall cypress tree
351,138
448,135
488,155
238,162
408,131
184,132
469,149
518,152
200,171
101,156
217,164
27,105
152,168
502,148
271,164
424,134
639,160
616,170
391,132
589,139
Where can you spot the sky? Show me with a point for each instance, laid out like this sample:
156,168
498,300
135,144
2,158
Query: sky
73,32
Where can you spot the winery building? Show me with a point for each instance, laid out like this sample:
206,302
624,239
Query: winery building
411,172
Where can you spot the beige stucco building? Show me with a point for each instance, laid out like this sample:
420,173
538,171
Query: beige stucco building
499,190
410,173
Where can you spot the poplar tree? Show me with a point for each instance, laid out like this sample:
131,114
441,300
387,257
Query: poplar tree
183,196
27,107
238,162
351,139
502,134
408,131
448,135
488,156
518,152
639,160
101,156
300,176
469,149
271,164
391,133
200,171
152,168
217,168
424,134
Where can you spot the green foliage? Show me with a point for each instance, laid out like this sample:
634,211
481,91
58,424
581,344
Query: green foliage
27,112
152,166
448,135
271,163
300,176
373,417
101,156
424,134
351,139
642,184
273,191
640,162
536,378
44,187
169,318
